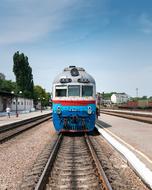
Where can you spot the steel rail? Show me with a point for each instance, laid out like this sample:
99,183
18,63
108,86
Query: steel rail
135,113
49,165
105,183
16,124
44,176
21,126
100,125
141,118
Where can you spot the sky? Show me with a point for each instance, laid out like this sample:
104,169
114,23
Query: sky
110,39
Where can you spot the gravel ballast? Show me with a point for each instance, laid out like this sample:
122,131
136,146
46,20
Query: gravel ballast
19,154
119,174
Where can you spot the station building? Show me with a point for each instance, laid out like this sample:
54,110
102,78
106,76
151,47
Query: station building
23,104
119,98
9,100
5,100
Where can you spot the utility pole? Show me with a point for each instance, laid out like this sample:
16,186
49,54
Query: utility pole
137,92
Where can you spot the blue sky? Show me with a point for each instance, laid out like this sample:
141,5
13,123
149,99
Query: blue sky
111,39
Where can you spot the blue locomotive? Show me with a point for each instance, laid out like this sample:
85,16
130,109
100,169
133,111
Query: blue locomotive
74,103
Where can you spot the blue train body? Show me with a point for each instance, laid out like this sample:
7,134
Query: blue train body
74,118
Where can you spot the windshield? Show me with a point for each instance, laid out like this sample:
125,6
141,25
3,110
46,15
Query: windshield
87,91
74,90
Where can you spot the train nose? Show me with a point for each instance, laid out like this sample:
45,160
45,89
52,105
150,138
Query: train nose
74,119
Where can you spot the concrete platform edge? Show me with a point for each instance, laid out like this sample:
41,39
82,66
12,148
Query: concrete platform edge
138,166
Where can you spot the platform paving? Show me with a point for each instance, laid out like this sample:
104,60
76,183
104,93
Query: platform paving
6,120
136,136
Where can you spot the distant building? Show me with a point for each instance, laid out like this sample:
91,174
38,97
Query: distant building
119,98
5,100
9,100
23,104
2,76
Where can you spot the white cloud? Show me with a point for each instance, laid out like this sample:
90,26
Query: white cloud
145,24
24,21
27,21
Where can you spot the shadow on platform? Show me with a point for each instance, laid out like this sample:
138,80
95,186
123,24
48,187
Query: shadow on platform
104,125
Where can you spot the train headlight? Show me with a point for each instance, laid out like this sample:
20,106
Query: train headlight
65,80
83,80
58,110
89,110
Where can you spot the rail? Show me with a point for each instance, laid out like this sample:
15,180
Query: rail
13,129
66,158
132,116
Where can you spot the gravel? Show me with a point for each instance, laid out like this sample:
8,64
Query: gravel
120,175
19,154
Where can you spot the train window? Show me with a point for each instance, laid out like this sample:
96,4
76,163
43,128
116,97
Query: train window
87,91
73,90
60,92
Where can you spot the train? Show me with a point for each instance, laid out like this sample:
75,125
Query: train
74,101
137,104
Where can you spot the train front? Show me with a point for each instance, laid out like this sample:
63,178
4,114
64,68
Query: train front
74,106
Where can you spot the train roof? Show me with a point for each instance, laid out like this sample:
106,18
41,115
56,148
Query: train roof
74,74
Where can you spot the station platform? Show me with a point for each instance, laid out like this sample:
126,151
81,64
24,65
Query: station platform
4,120
134,135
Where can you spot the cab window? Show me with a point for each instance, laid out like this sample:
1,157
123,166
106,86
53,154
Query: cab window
87,91
73,90
61,91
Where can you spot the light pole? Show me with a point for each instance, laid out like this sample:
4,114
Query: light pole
16,100
137,92
41,99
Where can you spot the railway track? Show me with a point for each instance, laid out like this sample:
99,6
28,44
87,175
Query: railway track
133,116
73,164
9,131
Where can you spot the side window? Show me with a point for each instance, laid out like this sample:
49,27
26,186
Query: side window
61,91
73,90
87,91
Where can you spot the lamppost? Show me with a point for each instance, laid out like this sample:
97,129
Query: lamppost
137,90
16,100
41,99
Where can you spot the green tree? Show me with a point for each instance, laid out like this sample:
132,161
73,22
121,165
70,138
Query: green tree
150,98
23,73
107,96
7,85
144,98
41,95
